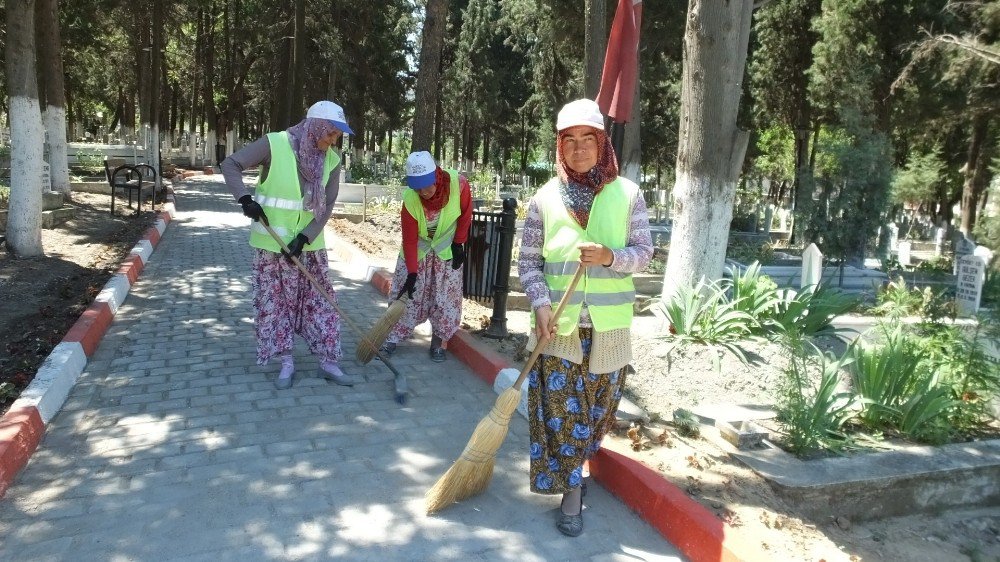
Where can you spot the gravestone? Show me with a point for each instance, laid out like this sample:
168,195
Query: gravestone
46,177
768,216
938,241
963,247
969,287
903,253
985,253
893,237
812,266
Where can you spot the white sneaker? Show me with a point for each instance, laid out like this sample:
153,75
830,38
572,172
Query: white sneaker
284,380
330,371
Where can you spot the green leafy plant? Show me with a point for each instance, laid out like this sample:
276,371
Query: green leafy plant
702,315
383,205
754,294
940,265
4,197
814,417
747,252
885,375
810,311
92,162
896,300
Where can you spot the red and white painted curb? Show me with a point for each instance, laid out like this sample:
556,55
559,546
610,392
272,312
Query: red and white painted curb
22,427
688,525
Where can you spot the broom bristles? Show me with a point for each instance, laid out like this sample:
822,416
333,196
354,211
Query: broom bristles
373,339
471,473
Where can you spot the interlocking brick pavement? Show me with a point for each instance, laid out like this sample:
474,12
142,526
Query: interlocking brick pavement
175,445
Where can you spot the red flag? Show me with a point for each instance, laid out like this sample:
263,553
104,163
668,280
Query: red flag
621,62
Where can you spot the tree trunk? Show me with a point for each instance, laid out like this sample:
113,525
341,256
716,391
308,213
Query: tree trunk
295,105
803,185
192,141
24,216
631,164
594,46
282,110
710,145
426,96
50,60
975,171
156,72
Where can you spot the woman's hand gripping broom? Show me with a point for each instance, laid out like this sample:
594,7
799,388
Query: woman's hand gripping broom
472,472
369,340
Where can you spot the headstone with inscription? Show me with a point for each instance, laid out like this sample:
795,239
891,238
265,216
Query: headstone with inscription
812,266
903,253
963,247
969,286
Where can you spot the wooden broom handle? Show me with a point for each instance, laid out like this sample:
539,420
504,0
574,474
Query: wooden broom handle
540,346
357,331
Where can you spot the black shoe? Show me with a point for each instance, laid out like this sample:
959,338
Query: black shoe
437,355
571,525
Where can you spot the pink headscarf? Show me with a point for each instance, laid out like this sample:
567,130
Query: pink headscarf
310,159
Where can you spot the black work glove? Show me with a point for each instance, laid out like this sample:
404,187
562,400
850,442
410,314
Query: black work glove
296,245
408,286
457,255
253,209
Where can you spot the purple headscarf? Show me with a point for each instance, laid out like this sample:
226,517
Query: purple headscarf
304,138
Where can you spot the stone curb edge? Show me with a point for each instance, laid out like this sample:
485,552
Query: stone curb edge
22,427
688,525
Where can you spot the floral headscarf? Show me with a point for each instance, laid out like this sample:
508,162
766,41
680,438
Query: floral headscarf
579,189
310,159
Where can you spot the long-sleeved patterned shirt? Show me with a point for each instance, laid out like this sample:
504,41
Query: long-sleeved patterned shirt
258,153
634,257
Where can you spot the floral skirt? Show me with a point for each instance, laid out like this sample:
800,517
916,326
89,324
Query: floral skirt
286,304
570,410
437,297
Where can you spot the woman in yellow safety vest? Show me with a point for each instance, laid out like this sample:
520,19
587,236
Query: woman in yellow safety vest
435,219
299,182
586,216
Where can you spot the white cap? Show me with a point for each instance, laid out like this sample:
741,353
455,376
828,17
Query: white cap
580,112
420,169
331,112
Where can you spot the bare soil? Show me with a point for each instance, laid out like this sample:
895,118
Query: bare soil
43,297
734,493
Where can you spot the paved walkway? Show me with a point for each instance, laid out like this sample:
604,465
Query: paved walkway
174,444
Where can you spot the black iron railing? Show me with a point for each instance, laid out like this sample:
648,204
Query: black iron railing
487,265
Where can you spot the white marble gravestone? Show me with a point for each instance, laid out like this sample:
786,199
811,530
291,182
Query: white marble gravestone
903,253
969,286
812,266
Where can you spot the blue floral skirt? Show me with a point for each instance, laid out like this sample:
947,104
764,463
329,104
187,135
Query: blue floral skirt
570,410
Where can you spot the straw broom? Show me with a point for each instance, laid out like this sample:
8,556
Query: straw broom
369,339
369,345
472,472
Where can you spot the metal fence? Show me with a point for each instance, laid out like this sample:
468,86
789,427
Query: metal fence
487,264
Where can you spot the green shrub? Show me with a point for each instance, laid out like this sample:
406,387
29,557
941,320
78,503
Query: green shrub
896,300
885,376
92,162
4,197
962,365
753,294
810,311
747,252
813,418
703,315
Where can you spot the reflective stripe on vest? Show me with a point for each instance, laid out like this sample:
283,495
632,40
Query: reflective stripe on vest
447,223
608,294
280,195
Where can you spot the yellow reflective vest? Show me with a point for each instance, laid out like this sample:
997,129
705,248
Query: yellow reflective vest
447,223
280,195
609,295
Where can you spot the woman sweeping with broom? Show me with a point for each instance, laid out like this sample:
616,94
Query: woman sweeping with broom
436,214
299,183
587,217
